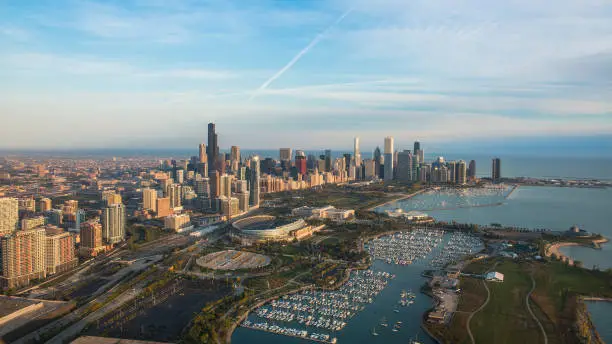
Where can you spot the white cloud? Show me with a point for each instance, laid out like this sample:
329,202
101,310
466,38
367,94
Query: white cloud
90,65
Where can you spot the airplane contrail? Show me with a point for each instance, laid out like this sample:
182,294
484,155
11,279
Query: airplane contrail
299,55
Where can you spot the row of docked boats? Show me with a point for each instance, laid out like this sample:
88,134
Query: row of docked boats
289,331
323,309
405,248
459,245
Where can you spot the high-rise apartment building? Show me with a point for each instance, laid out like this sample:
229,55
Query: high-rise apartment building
113,199
452,171
389,158
180,176
27,204
113,224
59,251
225,185
149,199
9,215
405,165
254,181
91,239
235,153
174,193
163,207
22,257
178,223
461,173
32,222
496,170
44,204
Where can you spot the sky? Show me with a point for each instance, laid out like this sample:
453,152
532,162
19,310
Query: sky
303,74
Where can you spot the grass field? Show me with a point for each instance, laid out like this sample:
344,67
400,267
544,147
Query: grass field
505,319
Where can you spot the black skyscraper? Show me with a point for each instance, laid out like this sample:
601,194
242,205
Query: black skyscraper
378,162
212,150
496,170
472,170
417,146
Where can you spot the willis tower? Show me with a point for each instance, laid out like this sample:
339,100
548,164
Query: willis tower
212,150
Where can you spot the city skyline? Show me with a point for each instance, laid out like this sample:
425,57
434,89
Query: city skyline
325,68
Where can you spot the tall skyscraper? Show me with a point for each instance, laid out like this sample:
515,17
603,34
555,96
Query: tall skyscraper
180,176
149,199
203,158
213,148
496,170
452,171
254,181
300,162
22,257
461,173
377,161
113,223
235,153
418,153
472,170
225,186
356,152
174,193
215,182
404,166
235,159
9,215
285,154
388,158
328,160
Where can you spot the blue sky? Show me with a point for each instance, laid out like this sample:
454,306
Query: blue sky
306,74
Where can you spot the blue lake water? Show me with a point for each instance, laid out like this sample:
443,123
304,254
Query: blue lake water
554,208
600,314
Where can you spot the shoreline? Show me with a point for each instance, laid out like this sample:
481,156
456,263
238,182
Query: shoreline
556,249
403,197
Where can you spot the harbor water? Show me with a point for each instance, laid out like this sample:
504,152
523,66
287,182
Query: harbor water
403,321
600,314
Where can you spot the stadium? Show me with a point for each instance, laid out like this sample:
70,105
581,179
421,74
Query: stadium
262,228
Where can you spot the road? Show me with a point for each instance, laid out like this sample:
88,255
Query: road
533,285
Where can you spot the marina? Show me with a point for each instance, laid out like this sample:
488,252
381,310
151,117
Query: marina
319,313
326,316
406,248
